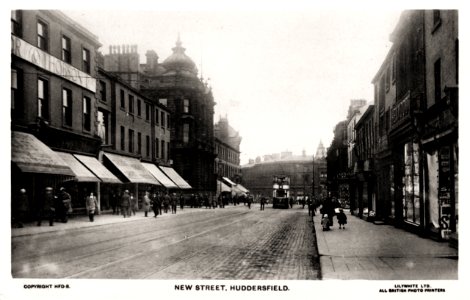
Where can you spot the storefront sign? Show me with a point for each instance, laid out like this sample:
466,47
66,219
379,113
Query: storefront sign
444,192
48,62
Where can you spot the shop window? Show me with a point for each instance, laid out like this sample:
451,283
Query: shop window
131,140
43,38
103,91
147,112
16,22
66,50
123,99
147,145
43,99
86,60
123,139
131,104
86,113
66,107
102,126
411,184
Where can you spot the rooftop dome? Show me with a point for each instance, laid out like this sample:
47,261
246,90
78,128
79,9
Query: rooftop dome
179,61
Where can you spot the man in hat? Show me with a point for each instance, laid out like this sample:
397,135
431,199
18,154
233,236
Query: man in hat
46,207
65,203
125,204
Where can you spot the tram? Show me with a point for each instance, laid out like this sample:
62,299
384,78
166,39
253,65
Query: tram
281,186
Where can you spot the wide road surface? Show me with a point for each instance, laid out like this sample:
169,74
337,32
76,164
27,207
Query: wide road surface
229,243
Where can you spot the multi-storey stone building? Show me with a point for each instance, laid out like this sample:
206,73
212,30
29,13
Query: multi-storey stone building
53,105
258,176
227,148
175,84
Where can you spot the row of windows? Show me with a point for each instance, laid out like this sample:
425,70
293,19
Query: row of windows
67,103
226,154
161,118
43,40
162,147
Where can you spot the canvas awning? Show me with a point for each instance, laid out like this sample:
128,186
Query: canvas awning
131,168
82,174
175,177
97,168
222,187
229,181
242,188
161,177
33,156
237,191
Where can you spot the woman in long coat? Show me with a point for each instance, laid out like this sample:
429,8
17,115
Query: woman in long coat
146,203
91,206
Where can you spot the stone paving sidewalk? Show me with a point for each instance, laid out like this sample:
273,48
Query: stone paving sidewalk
104,218
367,251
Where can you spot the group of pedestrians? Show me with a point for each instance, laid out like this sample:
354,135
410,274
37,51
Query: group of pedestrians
330,208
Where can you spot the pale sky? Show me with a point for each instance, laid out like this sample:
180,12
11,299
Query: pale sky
284,79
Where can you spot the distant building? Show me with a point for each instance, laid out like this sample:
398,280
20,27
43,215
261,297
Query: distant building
258,177
337,163
320,172
227,148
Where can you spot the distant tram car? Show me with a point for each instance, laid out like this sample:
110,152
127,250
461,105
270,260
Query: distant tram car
281,191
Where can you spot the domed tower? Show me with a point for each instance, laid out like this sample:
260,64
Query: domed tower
179,61
190,101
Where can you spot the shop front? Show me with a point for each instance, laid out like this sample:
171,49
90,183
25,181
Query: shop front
441,151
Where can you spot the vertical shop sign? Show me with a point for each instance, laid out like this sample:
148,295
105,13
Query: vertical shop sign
444,191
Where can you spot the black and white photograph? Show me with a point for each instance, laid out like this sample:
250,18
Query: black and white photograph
201,150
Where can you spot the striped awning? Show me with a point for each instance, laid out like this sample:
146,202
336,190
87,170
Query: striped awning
82,174
175,177
131,168
160,176
97,168
31,155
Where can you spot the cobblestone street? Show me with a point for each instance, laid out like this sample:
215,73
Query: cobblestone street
231,243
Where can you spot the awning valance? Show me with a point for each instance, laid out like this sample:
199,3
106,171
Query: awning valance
175,177
33,156
230,182
161,177
222,187
97,168
242,188
131,168
82,174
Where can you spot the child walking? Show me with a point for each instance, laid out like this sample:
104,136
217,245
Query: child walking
325,222
342,219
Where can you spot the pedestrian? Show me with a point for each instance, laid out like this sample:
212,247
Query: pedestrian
125,204
311,207
329,209
134,204
342,219
65,202
262,202
114,203
155,205
181,199
146,203
291,201
249,200
166,202
20,208
325,222
46,207
92,206
174,204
